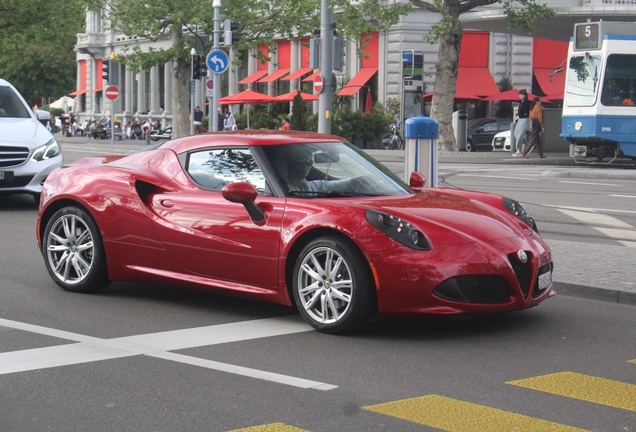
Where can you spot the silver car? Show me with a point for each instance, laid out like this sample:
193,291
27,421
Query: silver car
28,151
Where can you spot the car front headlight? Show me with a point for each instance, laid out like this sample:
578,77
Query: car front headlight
47,151
398,229
515,208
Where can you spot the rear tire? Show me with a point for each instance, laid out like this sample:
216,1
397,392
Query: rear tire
333,288
73,251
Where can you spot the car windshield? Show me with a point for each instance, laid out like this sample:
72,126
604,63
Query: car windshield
331,169
11,105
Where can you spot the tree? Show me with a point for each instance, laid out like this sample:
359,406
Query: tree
448,32
298,121
37,42
189,23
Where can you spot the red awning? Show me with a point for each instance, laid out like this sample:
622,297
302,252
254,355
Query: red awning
311,77
358,81
297,74
550,85
477,81
77,92
274,75
253,77
98,90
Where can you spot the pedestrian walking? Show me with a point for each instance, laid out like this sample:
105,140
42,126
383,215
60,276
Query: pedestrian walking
197,120
519,136
535,119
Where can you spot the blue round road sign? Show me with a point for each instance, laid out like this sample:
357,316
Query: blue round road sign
217,61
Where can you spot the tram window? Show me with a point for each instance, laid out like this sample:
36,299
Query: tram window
619,86
583,80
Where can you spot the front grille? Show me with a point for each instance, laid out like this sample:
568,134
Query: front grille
13,156
487,289
19,181
522,271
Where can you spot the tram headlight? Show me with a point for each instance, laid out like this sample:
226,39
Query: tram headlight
578,126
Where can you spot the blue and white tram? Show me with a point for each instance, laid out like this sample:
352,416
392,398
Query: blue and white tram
599,115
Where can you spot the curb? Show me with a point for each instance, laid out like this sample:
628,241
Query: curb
595,293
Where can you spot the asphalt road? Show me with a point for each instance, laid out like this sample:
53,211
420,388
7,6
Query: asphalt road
137,357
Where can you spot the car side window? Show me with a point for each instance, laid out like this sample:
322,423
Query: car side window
11,105
490,126
214,168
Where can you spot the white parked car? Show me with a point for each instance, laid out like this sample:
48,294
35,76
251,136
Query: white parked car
501,141
28,151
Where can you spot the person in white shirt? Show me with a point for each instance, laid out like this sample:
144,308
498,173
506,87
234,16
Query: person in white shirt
229,123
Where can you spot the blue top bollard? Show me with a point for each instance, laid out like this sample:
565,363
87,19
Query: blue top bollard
421,127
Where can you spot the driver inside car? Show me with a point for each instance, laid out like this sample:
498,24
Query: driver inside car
299,163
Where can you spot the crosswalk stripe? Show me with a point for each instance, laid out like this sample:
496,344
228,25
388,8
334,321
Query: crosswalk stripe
272,427
608,225
458,416
588,388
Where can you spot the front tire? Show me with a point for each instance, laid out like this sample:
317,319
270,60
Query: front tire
332,286
73,251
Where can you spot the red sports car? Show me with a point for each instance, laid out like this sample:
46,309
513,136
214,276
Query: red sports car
294,218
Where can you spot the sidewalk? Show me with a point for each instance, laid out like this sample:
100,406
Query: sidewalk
601,272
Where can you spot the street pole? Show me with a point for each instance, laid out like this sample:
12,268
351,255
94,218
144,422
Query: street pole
193,52
216,90
326,67
112,103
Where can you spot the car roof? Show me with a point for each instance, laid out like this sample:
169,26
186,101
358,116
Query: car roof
247,138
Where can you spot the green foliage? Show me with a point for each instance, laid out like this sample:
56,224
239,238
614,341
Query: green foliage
356,125
38,40
261,118
503,109
393,107
299,110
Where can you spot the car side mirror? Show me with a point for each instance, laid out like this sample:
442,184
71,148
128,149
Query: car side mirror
43,115
244,193
417,181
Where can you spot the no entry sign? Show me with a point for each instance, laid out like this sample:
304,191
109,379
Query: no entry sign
318,84
112,92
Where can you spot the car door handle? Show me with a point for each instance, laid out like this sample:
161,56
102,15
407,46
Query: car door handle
167,203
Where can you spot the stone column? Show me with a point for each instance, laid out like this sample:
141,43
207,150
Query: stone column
154,91
167,88
141,92
295,62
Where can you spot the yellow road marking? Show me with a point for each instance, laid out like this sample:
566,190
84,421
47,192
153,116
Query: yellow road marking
458,416
632,361
584,387
272,427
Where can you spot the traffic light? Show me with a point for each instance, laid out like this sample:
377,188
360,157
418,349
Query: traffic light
196,67
231,35
338,53
106,70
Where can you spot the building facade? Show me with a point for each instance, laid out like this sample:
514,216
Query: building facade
397,63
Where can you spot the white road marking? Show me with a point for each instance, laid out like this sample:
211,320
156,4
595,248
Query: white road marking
624,196
497,177
590,209
591,217
588,183
608,225
90,349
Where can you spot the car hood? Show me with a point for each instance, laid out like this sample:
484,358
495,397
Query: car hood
28,132
447,218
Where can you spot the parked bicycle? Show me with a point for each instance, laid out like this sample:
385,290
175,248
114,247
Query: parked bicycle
392,140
